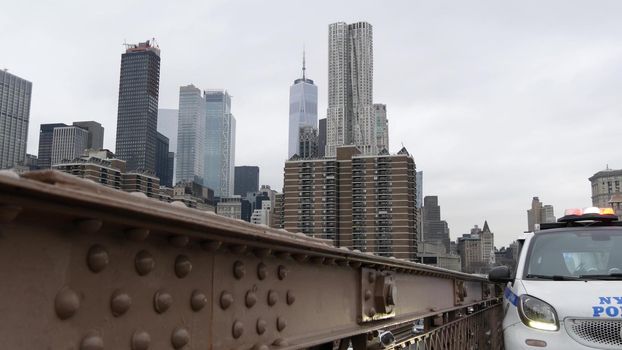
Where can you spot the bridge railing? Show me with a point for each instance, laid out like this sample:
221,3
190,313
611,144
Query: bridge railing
86,267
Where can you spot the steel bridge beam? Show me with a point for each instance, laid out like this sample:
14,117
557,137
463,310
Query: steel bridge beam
87,267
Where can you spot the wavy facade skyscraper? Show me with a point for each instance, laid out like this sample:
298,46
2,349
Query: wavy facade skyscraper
350,115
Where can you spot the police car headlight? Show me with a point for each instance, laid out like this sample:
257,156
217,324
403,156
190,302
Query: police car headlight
537,314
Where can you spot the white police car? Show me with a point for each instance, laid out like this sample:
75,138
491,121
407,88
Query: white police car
567,289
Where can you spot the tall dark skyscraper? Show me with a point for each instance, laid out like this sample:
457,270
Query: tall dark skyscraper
321,143
246,180
434,229
137,118
162,161
46,136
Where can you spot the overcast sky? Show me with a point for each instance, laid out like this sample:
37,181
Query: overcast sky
498,101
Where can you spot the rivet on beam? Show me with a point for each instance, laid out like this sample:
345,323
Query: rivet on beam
280,342
261,326
119,303
179,241
237,248
8,213
162,301
198,300
92,341
180,338
262,271
211,246
262,252
239,270
97,258
88,225
300,257
281,323
226,299
282,272
273,297
66,303
237,329
355,264
141,340
144,262
183,266
291,298
137,234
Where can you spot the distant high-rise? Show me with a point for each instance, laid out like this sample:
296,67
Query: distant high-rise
167,126
321,143
382,126
302,109
246,180
605,185
220,143
96,134
539,214
68,143
308,142
434,229
357,201
15,94
419,189
162,161
350,115
46,135
191,135
137,118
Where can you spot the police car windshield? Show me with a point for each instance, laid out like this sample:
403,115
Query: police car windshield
575,254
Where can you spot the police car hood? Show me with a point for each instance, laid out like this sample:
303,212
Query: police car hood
579,298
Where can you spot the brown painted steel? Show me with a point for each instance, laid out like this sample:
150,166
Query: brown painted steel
87,267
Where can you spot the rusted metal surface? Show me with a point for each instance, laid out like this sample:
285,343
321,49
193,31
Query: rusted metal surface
87,267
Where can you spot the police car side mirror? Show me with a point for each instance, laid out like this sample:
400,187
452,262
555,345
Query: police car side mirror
500,274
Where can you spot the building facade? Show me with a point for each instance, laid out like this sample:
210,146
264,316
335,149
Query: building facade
302,109
434,228
46,136
191,135
220,143
230,207
137,118
15,95
307,142
382,126
321,138
246,180
357,201
263,215
538,214
68,143
605,184
96,134
162,161
350,114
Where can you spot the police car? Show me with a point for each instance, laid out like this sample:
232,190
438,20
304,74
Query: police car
566,292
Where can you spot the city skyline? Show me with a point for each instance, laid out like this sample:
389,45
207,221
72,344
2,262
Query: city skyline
473,116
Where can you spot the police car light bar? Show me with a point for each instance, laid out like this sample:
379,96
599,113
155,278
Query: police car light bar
591,213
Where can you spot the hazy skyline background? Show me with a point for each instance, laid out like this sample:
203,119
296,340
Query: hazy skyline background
497,101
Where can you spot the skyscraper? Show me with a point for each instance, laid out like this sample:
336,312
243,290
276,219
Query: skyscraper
68,143
167,126
162,161
539,214
46,135
15,94
321,146
96,134
382,126
191,135
220,143
308,142
357,201
137,118
302,109
246,180
350,115
434,229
